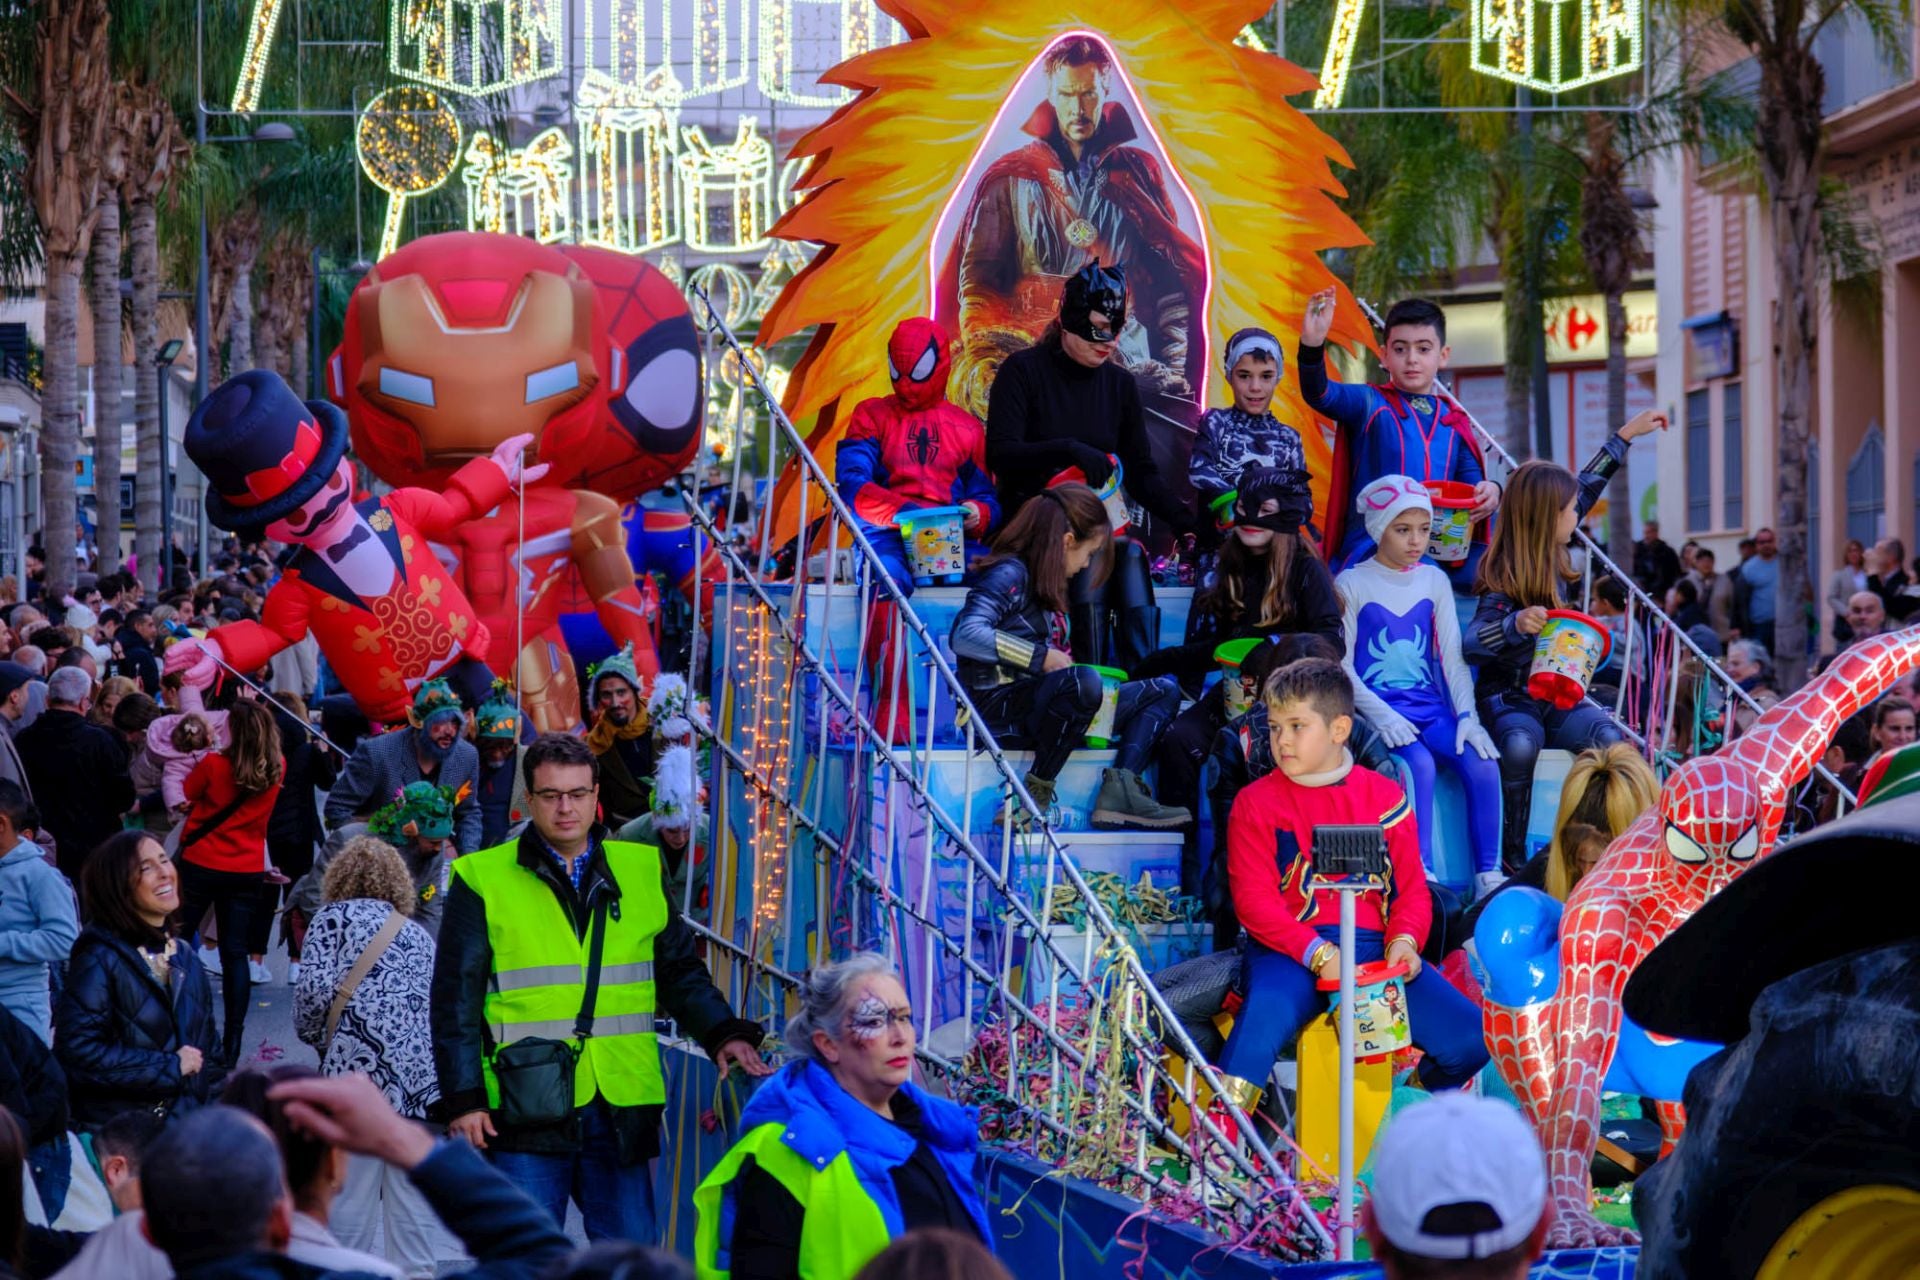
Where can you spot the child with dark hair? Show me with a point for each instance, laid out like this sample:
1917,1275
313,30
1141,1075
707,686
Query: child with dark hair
1400,427
1294,929
1010,645
1245,435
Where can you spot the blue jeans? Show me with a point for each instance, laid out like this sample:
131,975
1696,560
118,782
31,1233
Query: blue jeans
616,1200
1282,999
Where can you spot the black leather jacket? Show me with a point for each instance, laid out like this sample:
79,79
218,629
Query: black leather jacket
1492,643
463,967
1001,633
118,1033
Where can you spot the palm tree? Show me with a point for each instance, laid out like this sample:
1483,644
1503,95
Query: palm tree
63,130
156,150
103,293
1790,153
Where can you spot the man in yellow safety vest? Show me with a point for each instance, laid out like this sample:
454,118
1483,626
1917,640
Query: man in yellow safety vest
557,952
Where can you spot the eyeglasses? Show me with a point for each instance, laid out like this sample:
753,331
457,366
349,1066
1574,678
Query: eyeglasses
579,795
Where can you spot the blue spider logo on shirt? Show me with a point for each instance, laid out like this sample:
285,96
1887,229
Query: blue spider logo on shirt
1399,651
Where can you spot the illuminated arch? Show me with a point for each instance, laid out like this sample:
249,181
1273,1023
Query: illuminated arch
883,169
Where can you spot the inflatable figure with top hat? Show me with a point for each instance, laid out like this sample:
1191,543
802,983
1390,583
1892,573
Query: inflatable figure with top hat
461,340
363,580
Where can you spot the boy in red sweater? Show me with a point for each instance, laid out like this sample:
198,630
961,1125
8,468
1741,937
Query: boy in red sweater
1293,934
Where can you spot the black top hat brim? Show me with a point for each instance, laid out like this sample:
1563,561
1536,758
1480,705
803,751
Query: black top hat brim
1827,894
333,447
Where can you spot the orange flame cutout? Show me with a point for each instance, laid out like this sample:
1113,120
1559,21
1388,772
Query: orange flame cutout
884,167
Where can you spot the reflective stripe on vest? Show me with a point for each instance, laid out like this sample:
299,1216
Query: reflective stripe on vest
842,1228
540,968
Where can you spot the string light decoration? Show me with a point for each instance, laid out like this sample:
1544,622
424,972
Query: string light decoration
783,262
253,63
719,46
520,191
629,134
1339,58
862,27
726,193
475,46
408,142
1556,45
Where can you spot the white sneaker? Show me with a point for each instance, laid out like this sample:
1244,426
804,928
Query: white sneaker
293,972
210,961
1485,882
259,972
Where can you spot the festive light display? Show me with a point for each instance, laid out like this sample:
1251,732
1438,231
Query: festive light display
521,191
408,141
253,63
729,289
907,153
475,46
726,193
628,136
1554,45
633,40
1339,58
719,46
862,27
782,263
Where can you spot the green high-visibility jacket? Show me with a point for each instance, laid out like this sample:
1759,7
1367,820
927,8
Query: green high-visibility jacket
540,971
843,1230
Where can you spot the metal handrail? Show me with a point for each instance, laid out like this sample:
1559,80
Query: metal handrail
1098,917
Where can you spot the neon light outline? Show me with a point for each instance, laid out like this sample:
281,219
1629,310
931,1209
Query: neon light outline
1146,122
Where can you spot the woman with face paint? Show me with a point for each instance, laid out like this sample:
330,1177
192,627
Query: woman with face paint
842,1152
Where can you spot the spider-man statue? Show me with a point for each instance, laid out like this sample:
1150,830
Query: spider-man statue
1717,815
461,340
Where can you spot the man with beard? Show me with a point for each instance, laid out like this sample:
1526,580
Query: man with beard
620,738
431,750
1080,191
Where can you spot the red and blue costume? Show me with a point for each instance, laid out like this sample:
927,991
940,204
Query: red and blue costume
1269,861
1383,431
914,449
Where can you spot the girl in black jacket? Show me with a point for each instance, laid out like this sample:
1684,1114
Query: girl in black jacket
1011,645
1524,575
1265,584
134,1026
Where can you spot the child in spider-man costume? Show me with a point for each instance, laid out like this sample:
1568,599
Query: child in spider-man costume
906,451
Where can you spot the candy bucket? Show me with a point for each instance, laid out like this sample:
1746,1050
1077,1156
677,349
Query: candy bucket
1100,732
1222,508
1452,520
1379,1008
1109,493
1568,650
936,544
1239,699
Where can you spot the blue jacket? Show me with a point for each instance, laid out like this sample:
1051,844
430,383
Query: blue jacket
38,924
824,1120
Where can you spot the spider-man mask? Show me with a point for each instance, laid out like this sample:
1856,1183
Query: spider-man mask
918,361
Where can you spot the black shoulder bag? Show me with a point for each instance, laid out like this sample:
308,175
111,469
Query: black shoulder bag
536,1074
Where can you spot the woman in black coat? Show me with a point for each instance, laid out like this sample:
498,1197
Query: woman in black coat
134,1027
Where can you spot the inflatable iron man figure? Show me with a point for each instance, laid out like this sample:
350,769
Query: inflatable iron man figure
1717,815
459,341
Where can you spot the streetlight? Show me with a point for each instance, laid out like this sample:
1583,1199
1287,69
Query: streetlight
162,361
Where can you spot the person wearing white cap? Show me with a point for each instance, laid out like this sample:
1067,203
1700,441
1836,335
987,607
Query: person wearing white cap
1403,653
1459,1189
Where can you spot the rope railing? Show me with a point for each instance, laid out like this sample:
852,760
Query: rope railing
990,887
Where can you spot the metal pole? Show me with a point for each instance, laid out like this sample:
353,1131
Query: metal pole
315,387
1345,1221
166,488
202,322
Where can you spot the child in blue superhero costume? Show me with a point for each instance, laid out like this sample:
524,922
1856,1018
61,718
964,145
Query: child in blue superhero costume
1401,428
1403,653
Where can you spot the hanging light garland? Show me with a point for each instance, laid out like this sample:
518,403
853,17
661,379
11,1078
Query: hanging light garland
862,27
253,63
629,134
726,192
1556,45
450,43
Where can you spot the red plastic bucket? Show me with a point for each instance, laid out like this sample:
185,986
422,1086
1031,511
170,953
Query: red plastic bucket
1452,520
1566,653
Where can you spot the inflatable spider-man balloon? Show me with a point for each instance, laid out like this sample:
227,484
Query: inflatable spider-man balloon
458,341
